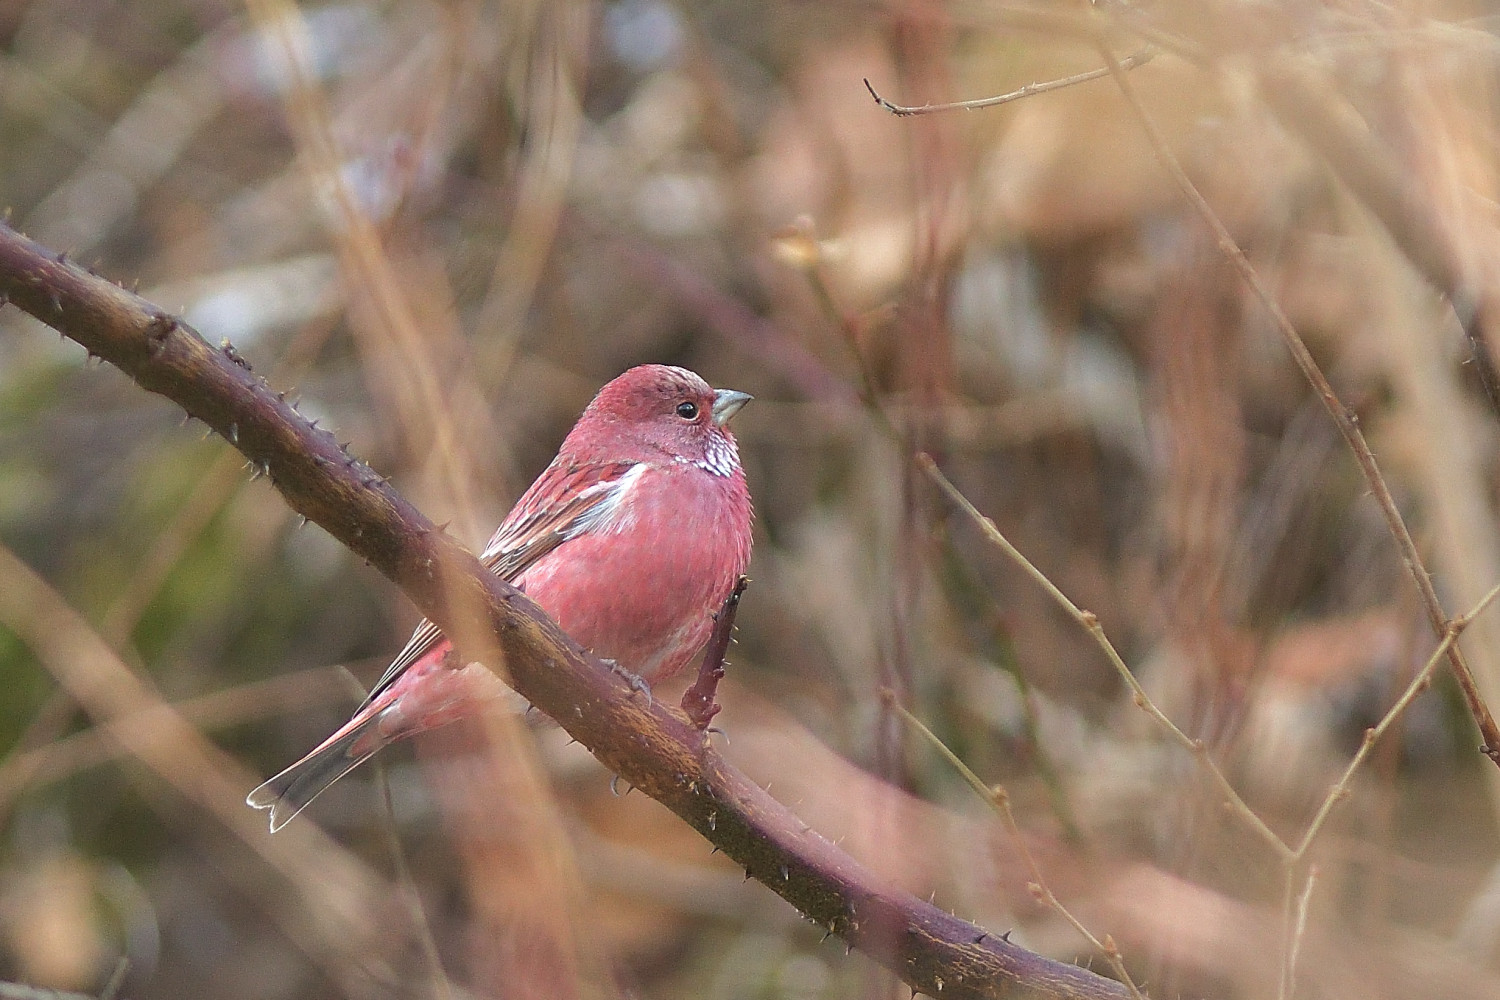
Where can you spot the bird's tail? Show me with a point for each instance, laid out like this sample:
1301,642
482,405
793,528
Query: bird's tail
289,792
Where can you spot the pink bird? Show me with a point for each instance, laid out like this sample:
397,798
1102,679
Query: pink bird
631,540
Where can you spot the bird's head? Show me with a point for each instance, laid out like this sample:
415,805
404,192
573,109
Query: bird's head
656,410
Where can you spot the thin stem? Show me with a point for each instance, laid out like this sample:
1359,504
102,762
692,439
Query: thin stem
903,110
1296,926
442,987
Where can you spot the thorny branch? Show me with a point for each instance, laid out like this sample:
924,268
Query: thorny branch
653,747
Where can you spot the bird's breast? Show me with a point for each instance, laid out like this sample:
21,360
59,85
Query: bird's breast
642,590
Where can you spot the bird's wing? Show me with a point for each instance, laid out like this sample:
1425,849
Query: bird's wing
567,500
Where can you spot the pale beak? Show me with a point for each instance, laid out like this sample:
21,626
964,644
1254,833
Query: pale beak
727,403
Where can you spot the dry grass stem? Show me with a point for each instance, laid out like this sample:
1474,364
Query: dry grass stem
1296,926
411,896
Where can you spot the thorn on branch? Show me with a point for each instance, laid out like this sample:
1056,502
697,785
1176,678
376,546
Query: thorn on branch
161,327
229,352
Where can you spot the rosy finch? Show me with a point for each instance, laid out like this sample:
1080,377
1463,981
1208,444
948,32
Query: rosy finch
631,540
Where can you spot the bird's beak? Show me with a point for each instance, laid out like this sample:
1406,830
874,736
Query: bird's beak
727,403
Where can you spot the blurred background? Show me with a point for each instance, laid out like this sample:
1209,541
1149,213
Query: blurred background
443,225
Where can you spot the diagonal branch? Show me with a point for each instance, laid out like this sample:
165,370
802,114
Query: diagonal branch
651,746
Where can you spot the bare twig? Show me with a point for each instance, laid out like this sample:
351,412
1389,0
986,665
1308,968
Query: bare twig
902,110
116,979
58,759
799,247
339,902
1296,927
1309,105
425,398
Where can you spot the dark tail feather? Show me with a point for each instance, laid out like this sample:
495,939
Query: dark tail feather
289,792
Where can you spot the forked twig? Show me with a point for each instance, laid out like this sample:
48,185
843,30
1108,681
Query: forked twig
903,110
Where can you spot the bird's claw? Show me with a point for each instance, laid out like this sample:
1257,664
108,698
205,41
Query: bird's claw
635,681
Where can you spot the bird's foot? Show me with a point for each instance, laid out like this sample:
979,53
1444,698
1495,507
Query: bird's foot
636,681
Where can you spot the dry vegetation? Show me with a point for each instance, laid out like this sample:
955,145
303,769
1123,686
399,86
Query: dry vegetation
445,224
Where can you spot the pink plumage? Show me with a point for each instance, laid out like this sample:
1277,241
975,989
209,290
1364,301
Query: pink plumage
631,540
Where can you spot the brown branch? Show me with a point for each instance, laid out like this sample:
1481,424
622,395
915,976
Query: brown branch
649,745
698,701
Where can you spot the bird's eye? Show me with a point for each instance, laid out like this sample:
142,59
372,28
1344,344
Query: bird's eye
687,411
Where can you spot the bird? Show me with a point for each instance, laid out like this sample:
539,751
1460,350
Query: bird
631,540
